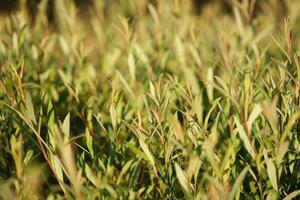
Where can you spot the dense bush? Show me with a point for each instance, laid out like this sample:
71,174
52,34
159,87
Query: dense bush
151,102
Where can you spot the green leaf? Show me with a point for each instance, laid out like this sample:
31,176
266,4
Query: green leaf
271,170
213,106
182,178
89,142
51,130
289,126
148,154
124,170
28,157
91,176
281,151
254,114
137,152
29,108
222,83
131,65
292,195
244,137
126,85
57,169
238,182
66,126
64,45
113,116
210,82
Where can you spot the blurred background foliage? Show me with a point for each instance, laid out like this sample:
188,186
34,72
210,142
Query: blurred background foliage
148,99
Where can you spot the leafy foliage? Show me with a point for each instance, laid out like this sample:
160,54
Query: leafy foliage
151,102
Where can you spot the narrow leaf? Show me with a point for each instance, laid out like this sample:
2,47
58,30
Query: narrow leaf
271,170
182,178
292,195
238,182
148,154
29,108
131,65
66,126
244,137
